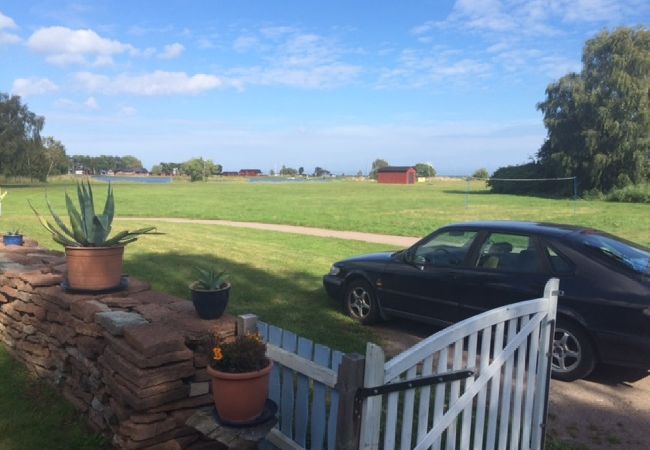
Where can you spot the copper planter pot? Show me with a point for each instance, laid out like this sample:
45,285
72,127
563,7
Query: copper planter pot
94,268
240,397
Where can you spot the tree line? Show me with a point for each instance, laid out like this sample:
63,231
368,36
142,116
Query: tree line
597,121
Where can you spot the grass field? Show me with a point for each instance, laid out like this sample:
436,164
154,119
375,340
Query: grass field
347,205
275,275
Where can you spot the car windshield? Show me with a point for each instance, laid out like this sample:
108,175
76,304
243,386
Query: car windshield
628,254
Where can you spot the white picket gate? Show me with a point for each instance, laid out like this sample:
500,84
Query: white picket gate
501,406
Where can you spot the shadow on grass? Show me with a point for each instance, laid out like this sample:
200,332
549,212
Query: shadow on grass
34,416
293,300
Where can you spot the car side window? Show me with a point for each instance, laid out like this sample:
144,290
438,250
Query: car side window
559,263
509,253
446,249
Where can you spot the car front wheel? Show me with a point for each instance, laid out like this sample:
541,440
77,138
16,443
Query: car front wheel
361,302
573,353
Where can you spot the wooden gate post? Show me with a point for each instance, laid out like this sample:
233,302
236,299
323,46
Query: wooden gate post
348,422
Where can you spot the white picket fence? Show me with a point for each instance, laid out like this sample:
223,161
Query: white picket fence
501,406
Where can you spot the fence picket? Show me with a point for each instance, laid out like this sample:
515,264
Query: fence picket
390,430
275,338
319,417
479,425
407,412
439,400
519,390
289,343
337,357
530,388
454,392
467,414
495,385
305,349
425,398
504,421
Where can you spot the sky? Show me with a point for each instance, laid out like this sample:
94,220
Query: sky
335,84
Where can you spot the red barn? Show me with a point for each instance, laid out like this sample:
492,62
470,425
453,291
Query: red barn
397,175
250,172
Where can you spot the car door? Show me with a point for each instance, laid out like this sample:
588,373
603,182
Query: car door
507,268
421,284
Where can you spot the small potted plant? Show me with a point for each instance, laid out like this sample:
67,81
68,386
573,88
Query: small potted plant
12,237
240,372
210,293
93,258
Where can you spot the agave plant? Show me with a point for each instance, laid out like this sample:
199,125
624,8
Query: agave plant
88,229
209,279
15,232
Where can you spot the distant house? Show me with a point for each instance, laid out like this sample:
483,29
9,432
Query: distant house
230,174
397,175
250,172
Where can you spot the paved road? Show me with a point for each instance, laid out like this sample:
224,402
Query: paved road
397,241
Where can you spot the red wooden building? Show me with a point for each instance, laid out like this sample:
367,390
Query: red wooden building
397,175
250,172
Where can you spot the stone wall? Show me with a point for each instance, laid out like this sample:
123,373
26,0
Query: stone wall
124,360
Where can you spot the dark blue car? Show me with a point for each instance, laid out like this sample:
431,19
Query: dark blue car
464,269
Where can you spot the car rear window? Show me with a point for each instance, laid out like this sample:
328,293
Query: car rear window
617,251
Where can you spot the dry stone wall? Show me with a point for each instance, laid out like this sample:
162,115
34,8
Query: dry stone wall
124,360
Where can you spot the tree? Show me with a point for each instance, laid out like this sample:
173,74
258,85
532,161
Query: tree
598,121
425,170
288,171
301,170
360,174
376,165
131,162
54,157
20,139
320,172
481,174
200,169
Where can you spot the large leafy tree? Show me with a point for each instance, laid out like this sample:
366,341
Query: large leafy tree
376,165
20,138
200,169
425,170
598,121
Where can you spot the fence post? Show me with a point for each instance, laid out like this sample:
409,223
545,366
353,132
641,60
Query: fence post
348,421
246,323
551,291
371,412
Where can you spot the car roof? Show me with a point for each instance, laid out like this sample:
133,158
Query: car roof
539,228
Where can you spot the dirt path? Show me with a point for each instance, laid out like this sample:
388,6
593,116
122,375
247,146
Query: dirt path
397,241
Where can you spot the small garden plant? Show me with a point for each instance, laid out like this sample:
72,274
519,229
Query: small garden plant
244,353
209,279
87,228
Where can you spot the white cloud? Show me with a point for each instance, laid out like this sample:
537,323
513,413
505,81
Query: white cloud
91,103
63,46
172,51
296,59
32,86
7,23
153,84
424,68
128,111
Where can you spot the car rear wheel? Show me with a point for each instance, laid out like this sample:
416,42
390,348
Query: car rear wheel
573,352
361,302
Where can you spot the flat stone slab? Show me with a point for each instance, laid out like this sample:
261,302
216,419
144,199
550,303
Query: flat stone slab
115,321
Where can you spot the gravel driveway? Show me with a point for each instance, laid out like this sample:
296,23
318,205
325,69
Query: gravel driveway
610,410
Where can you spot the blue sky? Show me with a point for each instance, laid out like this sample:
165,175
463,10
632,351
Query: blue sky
330,83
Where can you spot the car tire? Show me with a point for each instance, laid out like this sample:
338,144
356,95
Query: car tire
361,302
573,352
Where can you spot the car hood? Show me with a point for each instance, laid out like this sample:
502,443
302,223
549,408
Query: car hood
371,257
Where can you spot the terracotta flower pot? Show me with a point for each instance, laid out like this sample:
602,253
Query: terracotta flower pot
94,268
240,397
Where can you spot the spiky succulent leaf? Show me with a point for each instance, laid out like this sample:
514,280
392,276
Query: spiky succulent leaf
209,279
58,220
76,222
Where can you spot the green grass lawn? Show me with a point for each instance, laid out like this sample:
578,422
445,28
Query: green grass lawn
346,205
276,276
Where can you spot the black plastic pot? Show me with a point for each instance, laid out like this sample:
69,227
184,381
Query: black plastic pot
210,305
12,239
